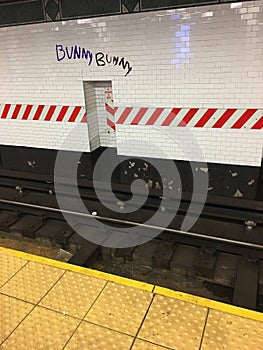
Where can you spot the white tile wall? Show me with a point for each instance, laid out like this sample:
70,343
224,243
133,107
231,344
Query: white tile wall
91,110
209,145
209,56
100,134
107,135
41,134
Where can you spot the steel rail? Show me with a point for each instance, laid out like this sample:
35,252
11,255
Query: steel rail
133,223
225,212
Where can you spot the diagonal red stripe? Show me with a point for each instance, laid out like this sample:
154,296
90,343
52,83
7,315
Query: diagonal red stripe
168,120
156,114
84,118
50,113
189,115
206,116
224,118
16,111
74,114
244,118
38,112
109,109
111,124
5,111
27,112
62,113
136,120
259,124
124,115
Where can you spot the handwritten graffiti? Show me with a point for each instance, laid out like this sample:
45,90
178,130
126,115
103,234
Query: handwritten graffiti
100,59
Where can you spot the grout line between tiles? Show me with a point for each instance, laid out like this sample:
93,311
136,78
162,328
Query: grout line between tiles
142,321
34,307
14,274
83,318
203,333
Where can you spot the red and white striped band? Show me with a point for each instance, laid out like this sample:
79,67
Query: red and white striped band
109,107
231,118
52,113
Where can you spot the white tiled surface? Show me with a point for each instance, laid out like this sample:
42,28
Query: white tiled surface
91,110
107,135
226,146
51,135
100,134
209,56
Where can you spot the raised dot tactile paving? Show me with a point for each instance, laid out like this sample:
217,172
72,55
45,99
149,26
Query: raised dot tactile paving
92,337
174,323
226,331
115,314
143,345
42,329
120,307
73,294
32,282
13,311
9,265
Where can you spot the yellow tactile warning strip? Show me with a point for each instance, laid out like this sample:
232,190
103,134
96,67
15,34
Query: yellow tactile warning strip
143,345
225,331
32,282
93,273
42,329
174,323
92,337
46,304
62,297
9,267
120,308
136,284
211,304
13,311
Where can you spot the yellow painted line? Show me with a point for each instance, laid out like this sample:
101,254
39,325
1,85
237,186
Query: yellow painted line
211,304
78,269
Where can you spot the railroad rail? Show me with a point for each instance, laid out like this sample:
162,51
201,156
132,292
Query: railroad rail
29,207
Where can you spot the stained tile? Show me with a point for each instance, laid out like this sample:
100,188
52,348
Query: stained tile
174,323
73,294
32,282
120,307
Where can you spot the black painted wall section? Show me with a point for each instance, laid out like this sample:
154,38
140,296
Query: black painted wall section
224,180
13,12
82,8
157,4
21,12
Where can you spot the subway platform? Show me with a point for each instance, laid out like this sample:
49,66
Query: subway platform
46,304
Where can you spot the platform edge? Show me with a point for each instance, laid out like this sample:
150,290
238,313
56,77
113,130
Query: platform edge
79,269
210,304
